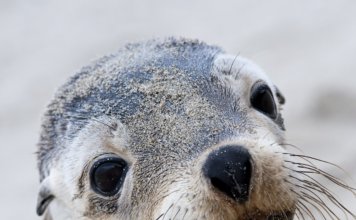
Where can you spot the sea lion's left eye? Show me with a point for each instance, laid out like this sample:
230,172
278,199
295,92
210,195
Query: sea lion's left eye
107,175
262,100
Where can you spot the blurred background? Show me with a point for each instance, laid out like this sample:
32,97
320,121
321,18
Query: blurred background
307,47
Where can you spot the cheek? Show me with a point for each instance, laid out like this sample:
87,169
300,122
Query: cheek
266,133
65,181
57,209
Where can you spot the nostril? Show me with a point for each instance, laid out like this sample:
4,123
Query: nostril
229,170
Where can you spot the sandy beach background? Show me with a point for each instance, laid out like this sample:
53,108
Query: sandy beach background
307,47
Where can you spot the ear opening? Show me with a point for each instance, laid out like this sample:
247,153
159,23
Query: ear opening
45,197
280,96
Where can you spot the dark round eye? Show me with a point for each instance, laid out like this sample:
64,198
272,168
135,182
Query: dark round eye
107,175
262,100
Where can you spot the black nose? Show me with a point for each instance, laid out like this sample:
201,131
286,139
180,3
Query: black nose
229,170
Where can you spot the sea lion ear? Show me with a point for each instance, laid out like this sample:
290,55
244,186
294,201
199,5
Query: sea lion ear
280,96
45,197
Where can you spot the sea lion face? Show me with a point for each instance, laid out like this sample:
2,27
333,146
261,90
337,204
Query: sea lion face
166,130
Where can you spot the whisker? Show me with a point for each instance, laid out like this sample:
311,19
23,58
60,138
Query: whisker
232,64
312,169
311,187
186,211
291,145
177,213
320,160
305,209
307,201
329,177
164,216
322,205
331,197
320,188
159,216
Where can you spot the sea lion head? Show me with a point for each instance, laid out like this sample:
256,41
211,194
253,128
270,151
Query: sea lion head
167,129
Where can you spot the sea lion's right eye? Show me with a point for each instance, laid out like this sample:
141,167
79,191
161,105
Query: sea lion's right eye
107,175
262,100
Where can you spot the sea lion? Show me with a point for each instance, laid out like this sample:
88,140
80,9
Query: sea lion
173,129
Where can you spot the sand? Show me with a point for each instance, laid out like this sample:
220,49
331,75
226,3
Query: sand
307,47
